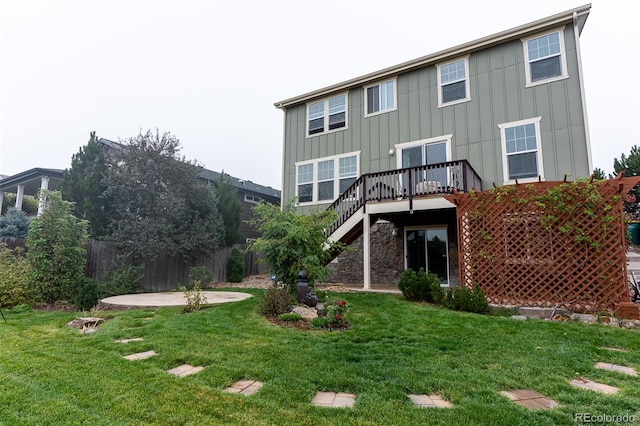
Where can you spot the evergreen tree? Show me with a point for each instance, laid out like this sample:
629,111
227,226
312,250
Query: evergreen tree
15,224
229,207
84,185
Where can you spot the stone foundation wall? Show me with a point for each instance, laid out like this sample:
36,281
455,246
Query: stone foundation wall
387,261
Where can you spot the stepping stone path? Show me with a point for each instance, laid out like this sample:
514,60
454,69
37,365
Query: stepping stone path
245,387
334,400
135,339
429,401
185,370
619,368
591,385
613,349
530,399
140,355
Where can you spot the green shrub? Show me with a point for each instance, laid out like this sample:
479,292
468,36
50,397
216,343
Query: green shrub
235,266
86,296
438,294
463,299
15,275
56,243
336,312
201,274
320,322
194,297
19,309
124,279
417,286
291,316
276,301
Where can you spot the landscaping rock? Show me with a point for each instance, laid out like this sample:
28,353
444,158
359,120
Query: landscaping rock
630,324
85,322
519,317
588,318
542,313
307,314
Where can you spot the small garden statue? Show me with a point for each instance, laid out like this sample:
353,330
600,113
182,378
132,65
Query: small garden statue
302,290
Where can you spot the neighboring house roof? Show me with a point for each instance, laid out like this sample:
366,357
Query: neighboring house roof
245,185
31,180
210,175
580,14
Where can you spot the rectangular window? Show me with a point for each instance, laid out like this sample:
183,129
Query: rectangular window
380,97
545,58
252,199
521,148
323,179
305,183
327,114
453,82
348,172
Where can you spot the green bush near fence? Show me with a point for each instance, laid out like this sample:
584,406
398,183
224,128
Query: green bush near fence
235,266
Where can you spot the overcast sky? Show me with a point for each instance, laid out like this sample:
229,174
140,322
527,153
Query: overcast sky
209,72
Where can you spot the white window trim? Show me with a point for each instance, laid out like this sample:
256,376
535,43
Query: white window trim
251,199
326,114
503,143
395,97
444,138
563,58
336,176
467,84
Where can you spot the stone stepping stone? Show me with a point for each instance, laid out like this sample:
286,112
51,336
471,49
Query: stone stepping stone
135,339
245,387
530,399
185,370
613,349
334,399
593,386
140,355
619,368
428,401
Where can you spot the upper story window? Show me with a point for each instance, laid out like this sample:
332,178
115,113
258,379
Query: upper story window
545,58
522,154
453,82
253,199
380,97
327,114
323,179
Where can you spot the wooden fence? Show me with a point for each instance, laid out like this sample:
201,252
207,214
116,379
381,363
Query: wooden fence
521,252
166,272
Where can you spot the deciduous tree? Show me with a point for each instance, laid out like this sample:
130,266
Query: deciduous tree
56,245
293,242
158,201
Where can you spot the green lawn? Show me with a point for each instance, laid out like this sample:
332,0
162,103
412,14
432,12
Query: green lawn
50,374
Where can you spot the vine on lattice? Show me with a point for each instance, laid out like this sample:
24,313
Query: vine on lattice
556,244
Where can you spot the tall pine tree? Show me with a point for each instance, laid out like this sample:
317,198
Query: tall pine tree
229,207
84,184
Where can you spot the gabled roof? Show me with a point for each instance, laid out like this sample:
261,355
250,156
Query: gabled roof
31,180
245,185
580,14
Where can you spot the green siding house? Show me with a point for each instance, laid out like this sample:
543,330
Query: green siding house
384,149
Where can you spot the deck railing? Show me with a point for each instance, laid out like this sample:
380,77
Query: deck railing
405,184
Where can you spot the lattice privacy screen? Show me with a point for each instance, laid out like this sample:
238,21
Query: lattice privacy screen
568,253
